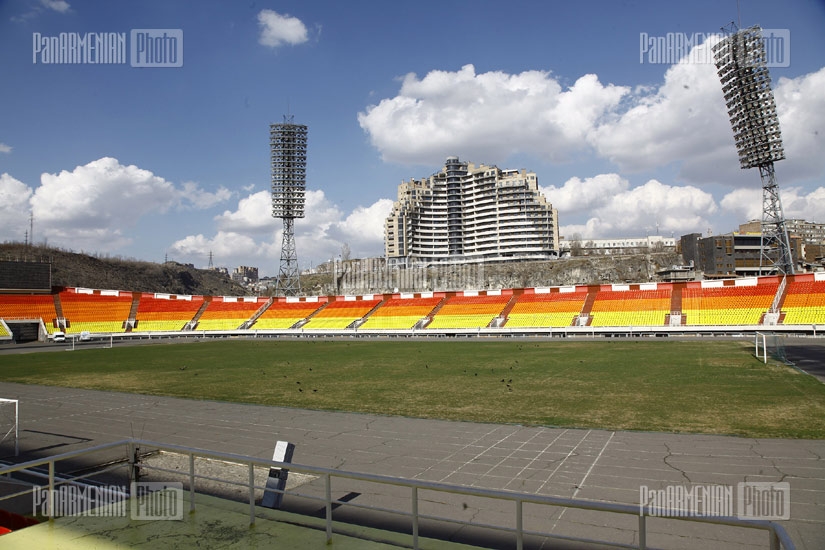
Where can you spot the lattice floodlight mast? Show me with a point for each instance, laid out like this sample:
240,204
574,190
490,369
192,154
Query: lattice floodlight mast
740,61
288,150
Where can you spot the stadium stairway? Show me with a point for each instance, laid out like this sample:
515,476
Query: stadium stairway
508,308
363,319
194,322
304,321
251,321
436,309
587,307
676,302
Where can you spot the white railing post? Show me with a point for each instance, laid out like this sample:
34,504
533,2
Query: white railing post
415,517
251,493
328,504
642,531
51,490
191,482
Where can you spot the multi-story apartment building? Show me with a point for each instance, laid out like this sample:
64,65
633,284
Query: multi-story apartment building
469,213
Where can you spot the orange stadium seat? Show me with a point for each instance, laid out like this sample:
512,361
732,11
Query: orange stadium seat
340,314
15,306
95,312
623,308
165,314
556,309
283,315
727,305
804,303
221,314
400,313
469,311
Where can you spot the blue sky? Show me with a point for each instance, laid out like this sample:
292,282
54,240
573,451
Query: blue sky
145,162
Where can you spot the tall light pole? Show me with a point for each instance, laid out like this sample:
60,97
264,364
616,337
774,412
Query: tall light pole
740,61
288,157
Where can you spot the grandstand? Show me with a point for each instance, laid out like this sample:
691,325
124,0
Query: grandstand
229,313
471,309
287,312
342,313
29,307
95,310
402,313
546,307
621,306
731,302
794,304
166,312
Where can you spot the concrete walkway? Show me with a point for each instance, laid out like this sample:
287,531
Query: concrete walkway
583,464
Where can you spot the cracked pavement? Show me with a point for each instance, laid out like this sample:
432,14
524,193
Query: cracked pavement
570,463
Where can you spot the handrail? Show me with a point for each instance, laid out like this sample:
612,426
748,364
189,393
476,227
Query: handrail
778,537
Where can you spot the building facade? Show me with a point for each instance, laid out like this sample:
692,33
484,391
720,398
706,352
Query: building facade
470,213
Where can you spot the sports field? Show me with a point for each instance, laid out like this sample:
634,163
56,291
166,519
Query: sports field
674,386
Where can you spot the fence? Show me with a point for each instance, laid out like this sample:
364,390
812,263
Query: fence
777,537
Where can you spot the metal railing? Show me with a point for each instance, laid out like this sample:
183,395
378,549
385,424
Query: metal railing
777,536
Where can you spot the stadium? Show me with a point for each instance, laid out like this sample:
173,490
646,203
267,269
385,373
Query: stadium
762,311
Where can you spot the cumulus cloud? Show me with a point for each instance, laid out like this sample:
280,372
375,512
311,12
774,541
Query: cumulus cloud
60,6
800,104
490,115
14,207
92,205
582,195
746,204
277,29
5,148
620,210
250,231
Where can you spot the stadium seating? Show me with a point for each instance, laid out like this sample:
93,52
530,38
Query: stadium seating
627,308
804,303
727,305
229,313
15,306
86,311
469,311
400,313
556,309
341,314
165,312
283,315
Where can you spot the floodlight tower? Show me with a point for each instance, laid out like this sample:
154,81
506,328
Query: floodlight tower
288,155
740,61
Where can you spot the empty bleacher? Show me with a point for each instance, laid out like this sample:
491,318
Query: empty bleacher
25,306
623,306
401,313
541,308
469,311
342,313
166,312
287,312
95,311
229,313
804,302
715,303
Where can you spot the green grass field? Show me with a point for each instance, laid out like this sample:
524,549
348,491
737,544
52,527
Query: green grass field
673,386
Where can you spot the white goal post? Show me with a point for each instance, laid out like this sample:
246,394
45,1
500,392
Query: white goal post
9,422
761,339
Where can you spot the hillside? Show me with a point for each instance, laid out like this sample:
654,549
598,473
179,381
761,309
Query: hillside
82,270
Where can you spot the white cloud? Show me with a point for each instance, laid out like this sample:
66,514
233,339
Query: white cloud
277,29
624,211
250,233
91,206
577,195
5,148
60,6
14,208
800,104
487,116
746,204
